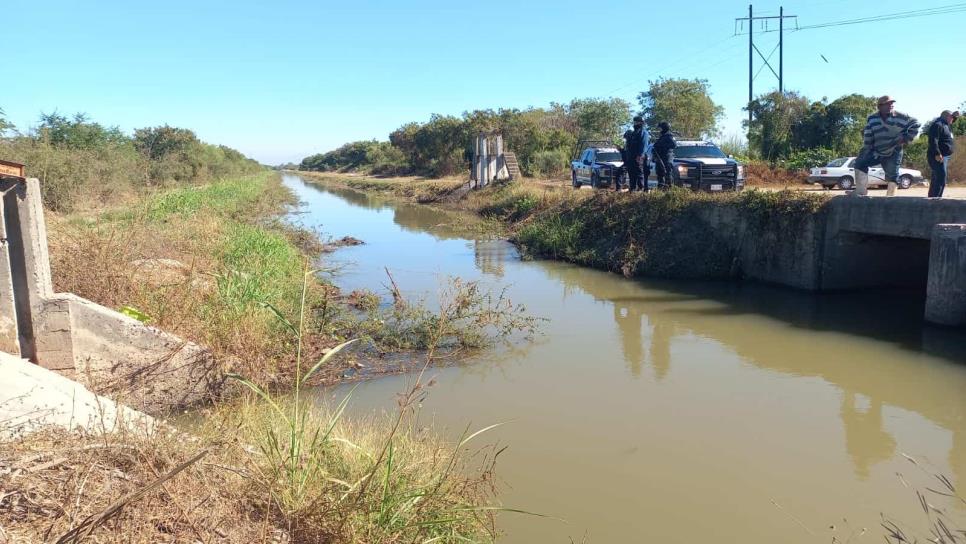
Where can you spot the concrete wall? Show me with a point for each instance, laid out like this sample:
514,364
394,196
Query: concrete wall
858,243
946,289
107,351
33,397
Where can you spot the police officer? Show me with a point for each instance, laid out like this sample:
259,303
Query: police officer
619,176
664,155
635,144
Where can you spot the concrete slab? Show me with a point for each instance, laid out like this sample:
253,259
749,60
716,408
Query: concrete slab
33,397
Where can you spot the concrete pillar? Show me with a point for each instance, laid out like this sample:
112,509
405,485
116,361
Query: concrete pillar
25,281
484,161
9,330
479,170
946,287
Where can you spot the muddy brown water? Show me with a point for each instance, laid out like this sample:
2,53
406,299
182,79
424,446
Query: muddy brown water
663,411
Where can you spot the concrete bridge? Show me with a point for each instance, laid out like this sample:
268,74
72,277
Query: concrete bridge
864,242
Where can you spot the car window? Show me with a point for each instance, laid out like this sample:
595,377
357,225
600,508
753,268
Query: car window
838,162
703,151
850,163
608,156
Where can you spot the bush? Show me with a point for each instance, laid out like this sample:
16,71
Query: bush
915,157
80,163
808,158
550,163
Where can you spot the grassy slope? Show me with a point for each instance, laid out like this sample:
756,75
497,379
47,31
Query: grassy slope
212,253
276,468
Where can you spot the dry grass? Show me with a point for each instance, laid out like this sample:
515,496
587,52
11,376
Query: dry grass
52,483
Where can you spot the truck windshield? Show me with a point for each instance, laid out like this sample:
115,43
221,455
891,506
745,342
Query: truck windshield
699,151
608,156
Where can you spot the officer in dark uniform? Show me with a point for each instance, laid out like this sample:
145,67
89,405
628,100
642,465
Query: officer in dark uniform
664,156
635,144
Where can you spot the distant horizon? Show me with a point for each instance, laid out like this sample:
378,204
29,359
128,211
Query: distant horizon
283,82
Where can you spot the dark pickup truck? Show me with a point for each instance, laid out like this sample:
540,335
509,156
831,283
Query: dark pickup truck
597,165
700,166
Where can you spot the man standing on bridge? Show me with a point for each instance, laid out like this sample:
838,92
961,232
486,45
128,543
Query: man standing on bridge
941,147
635,145
886,133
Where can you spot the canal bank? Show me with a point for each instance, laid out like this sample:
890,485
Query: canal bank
792,238
653,410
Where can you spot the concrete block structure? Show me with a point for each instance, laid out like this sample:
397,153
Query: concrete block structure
110,353
946,287
489,161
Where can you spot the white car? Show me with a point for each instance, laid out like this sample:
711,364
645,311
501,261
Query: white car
841,173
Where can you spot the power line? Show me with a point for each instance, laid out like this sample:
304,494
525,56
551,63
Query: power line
670,64
926,12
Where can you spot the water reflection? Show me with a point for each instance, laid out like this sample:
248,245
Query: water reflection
630,367
866,441
650,315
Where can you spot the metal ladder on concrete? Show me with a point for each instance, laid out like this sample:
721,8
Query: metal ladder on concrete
512,166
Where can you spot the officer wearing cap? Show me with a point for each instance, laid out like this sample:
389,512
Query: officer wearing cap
635,144
941,147
664,155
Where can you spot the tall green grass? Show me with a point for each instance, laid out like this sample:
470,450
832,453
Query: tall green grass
337,482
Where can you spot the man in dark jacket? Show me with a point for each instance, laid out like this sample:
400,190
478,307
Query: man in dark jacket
941,147
635,143
664,155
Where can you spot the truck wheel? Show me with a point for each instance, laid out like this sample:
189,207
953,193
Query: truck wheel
905,181
575,183
845,183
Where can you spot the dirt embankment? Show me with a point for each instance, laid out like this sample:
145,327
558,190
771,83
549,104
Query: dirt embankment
675,234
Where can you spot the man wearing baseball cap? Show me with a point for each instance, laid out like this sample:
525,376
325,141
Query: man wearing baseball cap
886,133
635,148
941,147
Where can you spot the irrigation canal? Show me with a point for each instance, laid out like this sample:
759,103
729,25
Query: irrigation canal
675,411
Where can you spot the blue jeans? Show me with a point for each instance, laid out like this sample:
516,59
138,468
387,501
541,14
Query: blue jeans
890,163
938,182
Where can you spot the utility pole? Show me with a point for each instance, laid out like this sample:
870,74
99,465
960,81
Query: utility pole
752,50
751,65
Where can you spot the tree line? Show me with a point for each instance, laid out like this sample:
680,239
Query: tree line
77,158
787,130
542,139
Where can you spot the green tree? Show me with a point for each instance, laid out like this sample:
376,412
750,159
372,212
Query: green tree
159,142
4,124
845,120
684,103
599,118
775,117
78,132
959,127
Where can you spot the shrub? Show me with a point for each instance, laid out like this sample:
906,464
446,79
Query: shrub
808,158
550,163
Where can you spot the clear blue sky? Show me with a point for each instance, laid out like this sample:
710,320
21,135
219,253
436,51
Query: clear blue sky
280,80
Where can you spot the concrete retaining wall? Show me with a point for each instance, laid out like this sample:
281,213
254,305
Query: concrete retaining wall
857,243
109,352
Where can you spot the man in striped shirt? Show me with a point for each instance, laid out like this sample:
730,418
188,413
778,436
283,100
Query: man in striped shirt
886,133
